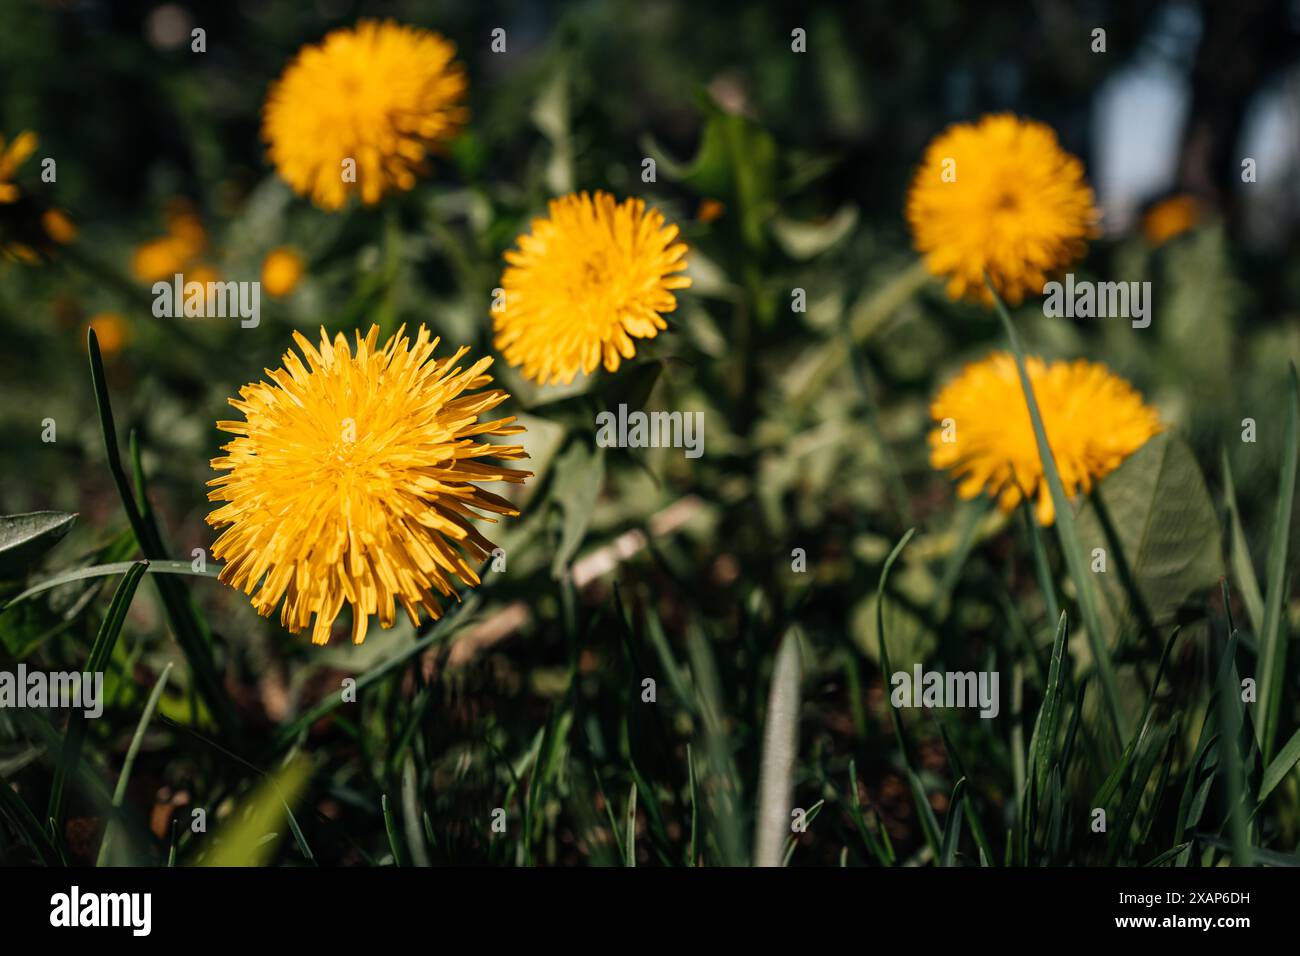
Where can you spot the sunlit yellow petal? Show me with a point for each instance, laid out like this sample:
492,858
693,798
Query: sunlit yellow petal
586,282
1000,197
1093,419
351,479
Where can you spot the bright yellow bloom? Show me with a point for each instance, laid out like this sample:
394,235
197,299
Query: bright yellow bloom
361,111
588,280
22,146
281,271
1169,218
1093,418
999,196
111,329
352,479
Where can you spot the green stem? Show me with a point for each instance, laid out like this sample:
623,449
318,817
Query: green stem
1066,531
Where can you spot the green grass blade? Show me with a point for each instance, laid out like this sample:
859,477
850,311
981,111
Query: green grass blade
791,840
1228,717
1042,567
28,828
390,828
1071,548
929,825
412,815
972,818
100,651
119,791
109,570
441,630
250,838
1242,567
191,635
629,842
1043,742
952,825
1281,765
692,848
780,749
1272,637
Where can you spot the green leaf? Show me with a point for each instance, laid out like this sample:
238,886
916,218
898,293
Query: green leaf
579,473
1165,527
25,537
736,163
806,240
550,114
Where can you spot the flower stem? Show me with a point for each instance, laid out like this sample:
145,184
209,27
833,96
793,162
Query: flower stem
1071,549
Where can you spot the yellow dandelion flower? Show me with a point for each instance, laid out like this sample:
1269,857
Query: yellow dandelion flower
1170,218
281,271
1093,418
352,478
999,196
587,281
361,111
11,157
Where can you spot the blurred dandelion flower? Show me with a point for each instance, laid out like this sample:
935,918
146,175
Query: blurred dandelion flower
281,271
11,157
31,230
177,251
710,210
59,226
111,329
352,478
999,196
362,110
1170,218
1093,418
586,281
